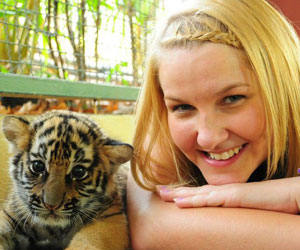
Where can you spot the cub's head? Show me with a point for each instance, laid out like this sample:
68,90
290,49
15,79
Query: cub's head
63,166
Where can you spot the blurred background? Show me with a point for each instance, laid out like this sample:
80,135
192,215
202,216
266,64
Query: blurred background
85,40
94,41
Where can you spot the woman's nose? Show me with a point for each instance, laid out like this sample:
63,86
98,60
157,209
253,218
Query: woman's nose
211,133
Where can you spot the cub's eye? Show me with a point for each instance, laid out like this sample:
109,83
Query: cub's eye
38,167
79,172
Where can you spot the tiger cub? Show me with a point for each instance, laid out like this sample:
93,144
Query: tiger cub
67,185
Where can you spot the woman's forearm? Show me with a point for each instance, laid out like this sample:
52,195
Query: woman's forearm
155,224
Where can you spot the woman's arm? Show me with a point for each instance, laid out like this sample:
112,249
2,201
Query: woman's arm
281,195
155,224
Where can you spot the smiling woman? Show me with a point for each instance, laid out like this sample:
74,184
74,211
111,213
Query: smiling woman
217,112
220,105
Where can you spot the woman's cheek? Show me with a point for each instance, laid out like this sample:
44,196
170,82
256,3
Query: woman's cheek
252,126
183,133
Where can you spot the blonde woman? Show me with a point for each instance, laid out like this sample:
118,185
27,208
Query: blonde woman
218,131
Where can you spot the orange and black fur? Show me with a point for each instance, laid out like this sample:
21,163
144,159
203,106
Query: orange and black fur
67,185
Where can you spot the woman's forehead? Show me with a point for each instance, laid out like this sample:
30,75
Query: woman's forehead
206,62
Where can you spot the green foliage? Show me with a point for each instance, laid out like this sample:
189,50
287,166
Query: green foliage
7,13
54,35
3,70
117,70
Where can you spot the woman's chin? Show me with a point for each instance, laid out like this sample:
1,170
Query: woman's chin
225,179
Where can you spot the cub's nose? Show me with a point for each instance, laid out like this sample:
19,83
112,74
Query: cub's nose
51,207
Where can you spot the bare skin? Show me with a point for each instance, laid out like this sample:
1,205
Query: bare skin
218,123
156,224
275,195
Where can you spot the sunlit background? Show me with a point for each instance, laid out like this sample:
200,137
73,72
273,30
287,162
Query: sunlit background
172,4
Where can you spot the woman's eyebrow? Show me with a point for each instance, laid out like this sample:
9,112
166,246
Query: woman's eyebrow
231,86
222,91
170,98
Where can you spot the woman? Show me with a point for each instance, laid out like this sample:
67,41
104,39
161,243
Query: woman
219,106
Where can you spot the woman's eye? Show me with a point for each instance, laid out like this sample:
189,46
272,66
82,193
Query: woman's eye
233,99
37,167
182,108
79,172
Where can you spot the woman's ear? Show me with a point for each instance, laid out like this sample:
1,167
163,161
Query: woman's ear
16,131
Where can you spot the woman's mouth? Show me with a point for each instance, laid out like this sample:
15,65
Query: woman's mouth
224,155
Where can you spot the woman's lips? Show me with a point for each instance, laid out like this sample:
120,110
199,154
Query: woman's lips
221,163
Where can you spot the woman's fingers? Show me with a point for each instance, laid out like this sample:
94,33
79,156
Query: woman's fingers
277,195
205,196
169,194
215,198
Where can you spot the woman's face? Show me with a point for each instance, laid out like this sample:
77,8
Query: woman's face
215,110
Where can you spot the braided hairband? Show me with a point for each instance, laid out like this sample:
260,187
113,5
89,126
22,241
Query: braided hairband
215,37
212,36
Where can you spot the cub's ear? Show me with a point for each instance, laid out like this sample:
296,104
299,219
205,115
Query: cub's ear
118,152
16,131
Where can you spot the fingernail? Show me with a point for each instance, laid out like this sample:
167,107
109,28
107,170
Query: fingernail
178,199
162,188
298,170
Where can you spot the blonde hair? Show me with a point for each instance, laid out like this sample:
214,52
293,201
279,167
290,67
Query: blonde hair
272,47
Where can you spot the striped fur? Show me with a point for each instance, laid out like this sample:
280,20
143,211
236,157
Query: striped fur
66,177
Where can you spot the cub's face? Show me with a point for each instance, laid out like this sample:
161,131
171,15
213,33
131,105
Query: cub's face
63,166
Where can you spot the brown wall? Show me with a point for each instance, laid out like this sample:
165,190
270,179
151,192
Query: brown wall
291,9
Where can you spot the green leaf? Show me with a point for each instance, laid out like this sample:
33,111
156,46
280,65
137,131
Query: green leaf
107,5
3,69
124,64
125,82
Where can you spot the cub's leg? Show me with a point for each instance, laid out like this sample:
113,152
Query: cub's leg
110,233
9,238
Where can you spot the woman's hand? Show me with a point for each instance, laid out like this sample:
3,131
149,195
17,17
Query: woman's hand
282,195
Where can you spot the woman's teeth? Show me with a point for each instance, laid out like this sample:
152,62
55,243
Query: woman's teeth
225,155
